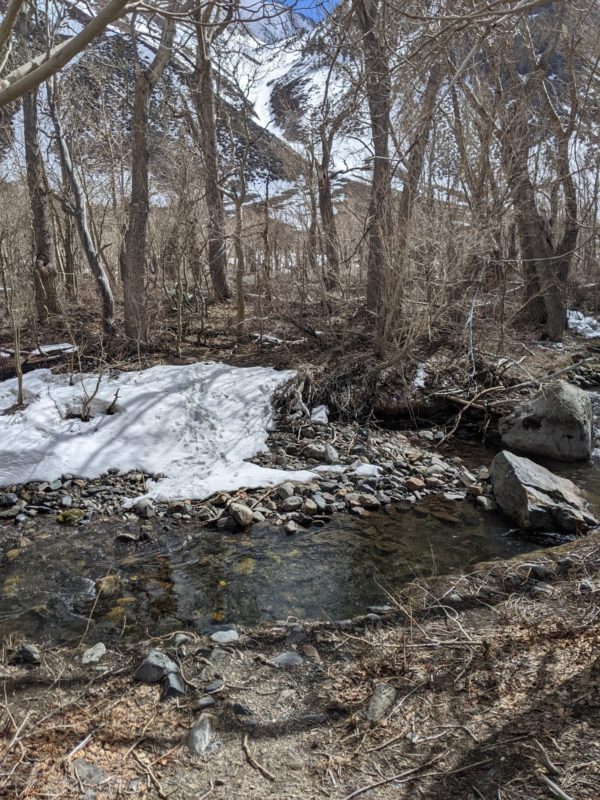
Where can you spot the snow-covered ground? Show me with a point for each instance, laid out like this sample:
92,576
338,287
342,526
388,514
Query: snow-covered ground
195,424
588,327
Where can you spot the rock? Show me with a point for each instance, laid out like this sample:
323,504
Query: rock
173,686
70,516
285,490
321,452
143,507
414,484
225,637
382,699
241,514
535,498
29,654
206,701
291,528
556,423
319,415
309,507
12,512
93,654
486,503
369,501
200,737
88,772
155,667
292,503
241,710
181,638
291,659
214,686
8,499
311,652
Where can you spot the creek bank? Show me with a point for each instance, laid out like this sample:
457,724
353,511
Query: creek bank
357,469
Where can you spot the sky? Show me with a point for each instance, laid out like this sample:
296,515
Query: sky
314,9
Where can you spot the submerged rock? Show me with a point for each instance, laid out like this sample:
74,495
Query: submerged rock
536,498
556,423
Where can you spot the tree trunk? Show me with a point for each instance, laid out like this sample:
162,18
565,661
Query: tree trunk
378,89
133,265
330,235
545,267
81,220
45,278
240,267
203,99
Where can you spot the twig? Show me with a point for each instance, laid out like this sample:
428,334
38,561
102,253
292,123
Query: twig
554,788
399,776
545,758
153,778
253,762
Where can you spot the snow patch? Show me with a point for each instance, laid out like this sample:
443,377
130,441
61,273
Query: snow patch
588,327
50,349
196,424
420,377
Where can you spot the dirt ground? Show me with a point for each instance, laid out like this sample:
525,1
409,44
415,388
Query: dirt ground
497,697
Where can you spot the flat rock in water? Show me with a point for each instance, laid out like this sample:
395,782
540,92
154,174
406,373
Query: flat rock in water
155,667
536,498
556,423
382,700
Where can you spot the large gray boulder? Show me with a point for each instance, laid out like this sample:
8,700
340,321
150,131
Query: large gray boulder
536,498
556,423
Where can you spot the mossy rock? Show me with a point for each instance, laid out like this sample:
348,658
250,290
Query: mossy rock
70,516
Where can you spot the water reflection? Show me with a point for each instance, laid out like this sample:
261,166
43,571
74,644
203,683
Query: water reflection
187,576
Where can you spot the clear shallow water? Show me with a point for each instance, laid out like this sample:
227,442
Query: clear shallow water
190,576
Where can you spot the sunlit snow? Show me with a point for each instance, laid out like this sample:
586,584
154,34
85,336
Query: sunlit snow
196,424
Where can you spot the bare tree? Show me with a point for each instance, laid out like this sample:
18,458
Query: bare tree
210,22
134,257
81,220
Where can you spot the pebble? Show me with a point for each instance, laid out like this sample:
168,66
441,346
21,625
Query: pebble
291,659
200,737
382,700
29,654
241,514
292,503
155,667
93,654
206,701
173,686
225,637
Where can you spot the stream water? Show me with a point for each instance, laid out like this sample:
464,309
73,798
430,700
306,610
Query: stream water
189,576
186,576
